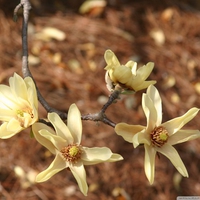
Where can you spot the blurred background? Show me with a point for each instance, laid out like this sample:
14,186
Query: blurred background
67,41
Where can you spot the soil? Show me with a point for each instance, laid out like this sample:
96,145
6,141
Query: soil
72,71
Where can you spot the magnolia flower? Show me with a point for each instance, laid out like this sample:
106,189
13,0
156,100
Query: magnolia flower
127,76
157,136
18,106
64,142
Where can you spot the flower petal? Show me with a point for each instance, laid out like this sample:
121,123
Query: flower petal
57,165
171,153
74,123
96,155
150,113
36,128
142,85
6,115
57,141
5,133
132,65
109,84
154,95
115,157
183,136
149,162
122,74
14,125
35,115
7,99
60,127
141,138
128,131
145,71
18,86
111,60
79,173
32,93
176,124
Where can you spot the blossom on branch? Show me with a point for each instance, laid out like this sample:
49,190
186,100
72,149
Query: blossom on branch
157,136
64,142
127,76
18,106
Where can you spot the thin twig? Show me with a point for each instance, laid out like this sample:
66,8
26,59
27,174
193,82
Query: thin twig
25,69
98,117
112,98
101,116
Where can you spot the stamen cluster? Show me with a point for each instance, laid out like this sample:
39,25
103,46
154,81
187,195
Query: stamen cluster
159,136
72,152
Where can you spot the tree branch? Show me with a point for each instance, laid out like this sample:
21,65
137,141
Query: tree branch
25,69
101,116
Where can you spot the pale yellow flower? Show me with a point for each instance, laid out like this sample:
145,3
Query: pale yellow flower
157,136
127,76
64,142
18,106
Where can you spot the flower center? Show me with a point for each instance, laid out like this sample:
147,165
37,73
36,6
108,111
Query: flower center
22,116
72,153
159,136
20,113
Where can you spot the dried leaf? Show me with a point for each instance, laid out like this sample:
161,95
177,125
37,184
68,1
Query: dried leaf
158,36
49,33
92,6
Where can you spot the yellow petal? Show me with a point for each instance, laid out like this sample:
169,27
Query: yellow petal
97,155
36,128
141,85
7,99
149,163
183,136
154,95
79,173
57,141
176,124
6,114
144,71
60,127
115,157
18,86
122,74
128,131
171,153
14,125
141,137
150,113
74,123
111,60
5,133
112,77
57,165
132,65
32,93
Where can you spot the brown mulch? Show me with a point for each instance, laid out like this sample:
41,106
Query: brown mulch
126,28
